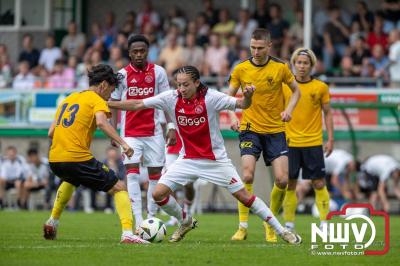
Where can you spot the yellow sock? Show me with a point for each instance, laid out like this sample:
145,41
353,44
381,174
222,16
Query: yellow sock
277,196
243,210
64,193
289,206
322,202
123,207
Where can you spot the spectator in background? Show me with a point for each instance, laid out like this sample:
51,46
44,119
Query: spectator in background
346,69
203,29
294,37
216,63
40,173
368,69
122,42
29,53
110,28
233,49
380,62
335,38
210,12
377,36
171,55
176,17
148,15
41,79
245,27
74,42
50,54
13,171
278,28
356,32
5,68
61,78
129,25
363,16
98,35
244,54
290,13
192,55
391,14
225,25
358,53
261,14
116,58
394,57
24,80
114,162
154,49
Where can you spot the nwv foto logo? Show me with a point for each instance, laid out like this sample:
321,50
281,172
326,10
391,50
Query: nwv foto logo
345,236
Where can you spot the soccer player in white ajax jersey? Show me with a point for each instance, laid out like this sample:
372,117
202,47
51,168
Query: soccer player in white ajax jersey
194,110
141,129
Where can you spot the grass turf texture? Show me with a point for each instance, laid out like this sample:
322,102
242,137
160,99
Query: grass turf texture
93,239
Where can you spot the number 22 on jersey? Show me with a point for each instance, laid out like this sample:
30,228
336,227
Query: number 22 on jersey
72,110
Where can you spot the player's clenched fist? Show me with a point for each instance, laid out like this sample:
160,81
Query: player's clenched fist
127,150
248,91
286,116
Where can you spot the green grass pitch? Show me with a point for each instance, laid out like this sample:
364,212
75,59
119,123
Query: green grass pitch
93,239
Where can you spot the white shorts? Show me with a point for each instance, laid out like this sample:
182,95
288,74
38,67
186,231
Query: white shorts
185,171
151,148
170,158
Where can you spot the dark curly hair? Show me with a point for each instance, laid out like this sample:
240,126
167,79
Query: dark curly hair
101,72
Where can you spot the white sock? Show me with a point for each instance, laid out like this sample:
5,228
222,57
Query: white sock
135,195
289,225
187,206
152,206
261,210
127,233
243,225
172,208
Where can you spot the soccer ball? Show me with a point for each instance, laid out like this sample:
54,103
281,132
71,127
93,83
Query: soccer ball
152,230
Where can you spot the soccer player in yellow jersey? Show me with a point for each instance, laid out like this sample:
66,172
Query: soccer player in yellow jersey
70,158
304,136
262,128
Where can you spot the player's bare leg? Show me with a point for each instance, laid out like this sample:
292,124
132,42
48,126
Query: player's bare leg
280,172
249,166
259,208
162,196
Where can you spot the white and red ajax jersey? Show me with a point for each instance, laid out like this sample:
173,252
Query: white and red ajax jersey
141,84
197,121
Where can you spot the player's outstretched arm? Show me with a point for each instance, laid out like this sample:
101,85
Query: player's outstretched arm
102,123
235,125
245,103
128,105
287,114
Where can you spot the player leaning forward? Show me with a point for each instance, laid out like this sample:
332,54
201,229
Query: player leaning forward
194,110
70,158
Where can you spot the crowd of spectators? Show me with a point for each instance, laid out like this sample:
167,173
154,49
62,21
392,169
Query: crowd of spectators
353,42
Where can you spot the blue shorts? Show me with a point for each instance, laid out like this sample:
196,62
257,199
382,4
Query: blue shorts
309,159
272,146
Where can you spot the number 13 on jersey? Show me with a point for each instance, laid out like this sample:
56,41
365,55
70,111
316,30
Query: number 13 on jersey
72,110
